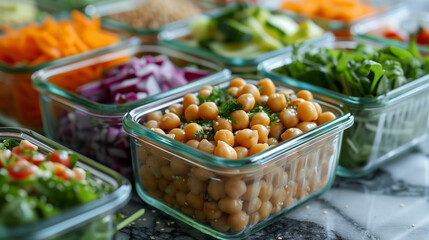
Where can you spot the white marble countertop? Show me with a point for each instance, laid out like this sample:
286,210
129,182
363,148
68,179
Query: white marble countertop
391,203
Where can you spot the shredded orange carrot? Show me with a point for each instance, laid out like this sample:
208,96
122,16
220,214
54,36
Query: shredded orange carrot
36,44
344,10
53,39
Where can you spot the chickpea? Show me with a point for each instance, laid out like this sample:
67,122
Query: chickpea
200,216
181,199
189,99
212,211
196,185
240,120
202,174
306,126
171,201
263,99
238,221
169,189
230,205
276,102
252,206
208,87
289,118
152,124
260,118
169,121
325,117
296,101
195,201
234,91
247,100
237,82
216,189
252,191
290,133
176,108
220,224
191,129
179,167
265,209
154,165
276,130
252,89
267,85
306,95
208,110
307,112
156,116
226,136
235,188
193,143
204,93
206,146
191,113
266,191
222,123
179,134
241,152
167,173
257,148
172,136
247,138
279,195
254,218
188,210
180,184
158,130
262,132
318,108
287,93
225,151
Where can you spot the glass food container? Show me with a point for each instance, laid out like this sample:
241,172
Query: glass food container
384,126
276,180
400,23
19,104
92,128
174,34
94,220
342,28
146,35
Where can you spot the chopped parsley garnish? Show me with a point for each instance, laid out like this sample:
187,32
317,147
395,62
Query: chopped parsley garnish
258,108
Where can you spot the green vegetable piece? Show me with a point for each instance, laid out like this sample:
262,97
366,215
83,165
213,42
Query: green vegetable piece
279,26
235,31
369,66
262,38
308,29
9,144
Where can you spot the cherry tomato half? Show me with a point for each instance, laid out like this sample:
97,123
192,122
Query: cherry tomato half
396,35
21,169
63,172
423,37
62,157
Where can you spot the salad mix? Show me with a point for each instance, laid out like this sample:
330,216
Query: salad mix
36,186
244,30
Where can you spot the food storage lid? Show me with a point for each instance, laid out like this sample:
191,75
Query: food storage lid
42,84
74,217
132,125
267,68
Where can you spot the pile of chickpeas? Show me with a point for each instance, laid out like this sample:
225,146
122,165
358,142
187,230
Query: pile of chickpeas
232,199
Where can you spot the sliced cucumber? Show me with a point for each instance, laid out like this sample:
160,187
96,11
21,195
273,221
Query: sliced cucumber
279,26
202,28
308,29
235,31
236,50
263,39
262,15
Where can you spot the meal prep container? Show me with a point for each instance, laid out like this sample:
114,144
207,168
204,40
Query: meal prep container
342,28
384,126
19,104
106,8
89,221
402,19
283,177
92,128
173,35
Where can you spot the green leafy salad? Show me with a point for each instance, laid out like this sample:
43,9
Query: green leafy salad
35,186
361,72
